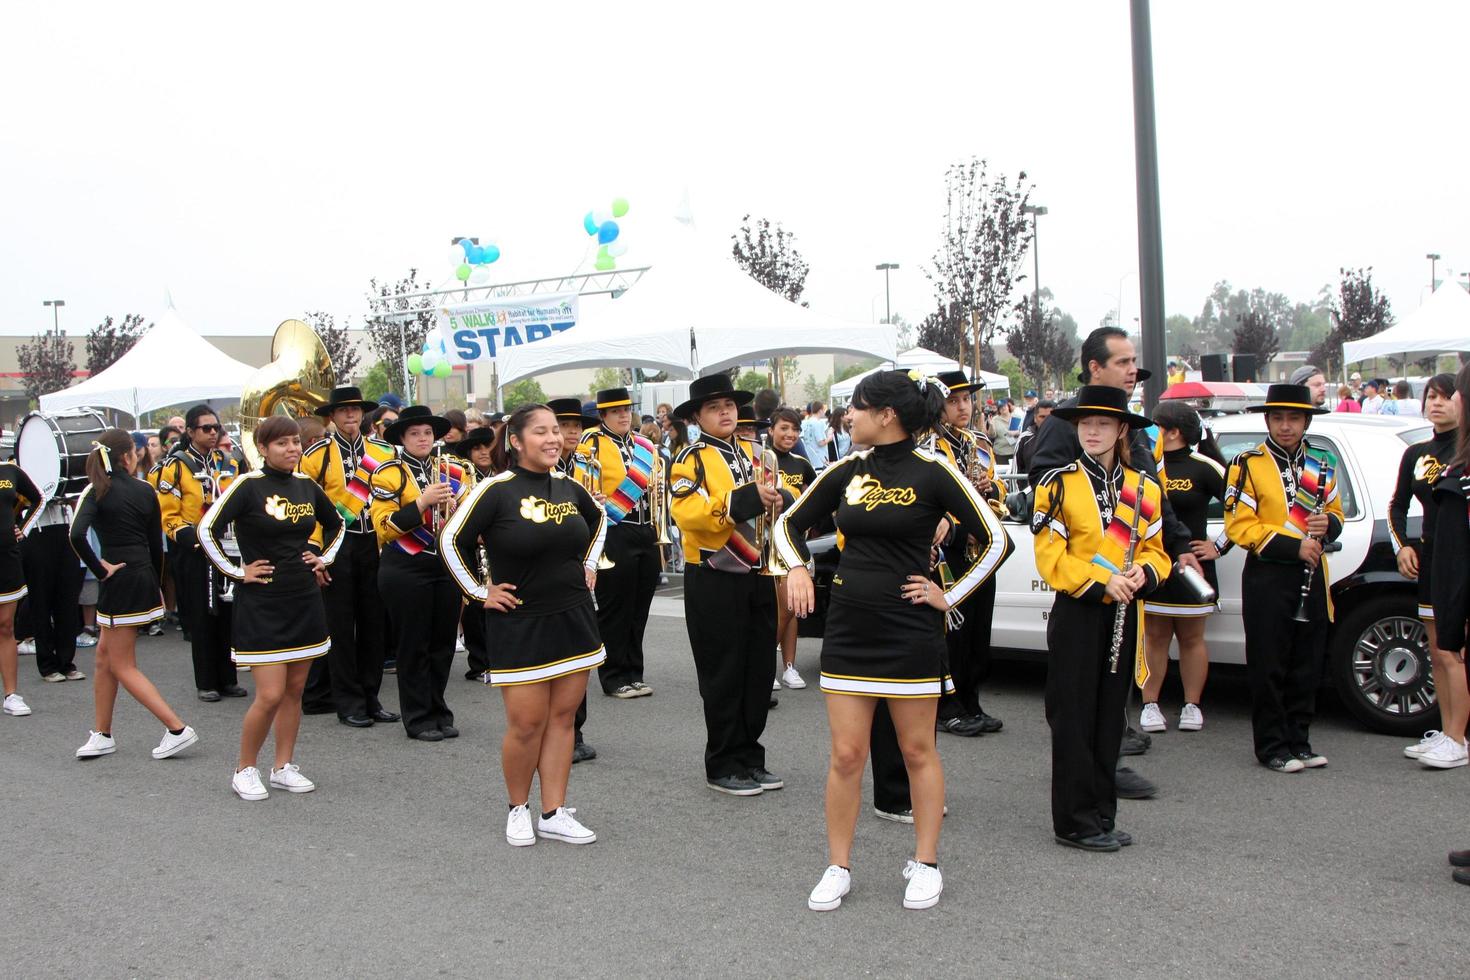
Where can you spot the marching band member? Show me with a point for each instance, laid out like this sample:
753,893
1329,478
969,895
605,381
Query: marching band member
1282,505
796,476
416,589
342,464
572,421
192,479
1191,479
542,534
54,588
124,513
20,507
625,591
475,449
1087,519
729,608
884,626
280,623
1419,471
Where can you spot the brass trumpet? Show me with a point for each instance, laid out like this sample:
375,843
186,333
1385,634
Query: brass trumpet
440,469
589,474
658,500
768,474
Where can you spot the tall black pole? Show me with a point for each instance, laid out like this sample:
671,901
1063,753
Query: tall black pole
887,299
1036,260
1150,235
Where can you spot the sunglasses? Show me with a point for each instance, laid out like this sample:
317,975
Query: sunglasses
209,428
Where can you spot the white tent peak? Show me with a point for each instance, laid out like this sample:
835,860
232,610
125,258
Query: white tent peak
1441,325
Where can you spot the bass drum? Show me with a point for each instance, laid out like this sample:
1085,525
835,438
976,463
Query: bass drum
53,449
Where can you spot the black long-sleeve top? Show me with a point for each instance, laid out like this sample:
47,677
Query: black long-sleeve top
1056,446
1191,480
1422,465
1449,586
127,522
889,501
20,505
274,513
540,532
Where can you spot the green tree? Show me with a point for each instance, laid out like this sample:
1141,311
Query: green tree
1181,339
816,390
376,383
855,369
110,340
1012,369
604,378
1359,310
398,322
526,391
339,345
1255,335
752,381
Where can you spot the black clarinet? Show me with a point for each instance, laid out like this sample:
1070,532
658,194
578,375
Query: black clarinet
1311,570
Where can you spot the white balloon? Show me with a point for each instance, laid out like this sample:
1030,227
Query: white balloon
601,218
456,257
479,274
431,357
617,248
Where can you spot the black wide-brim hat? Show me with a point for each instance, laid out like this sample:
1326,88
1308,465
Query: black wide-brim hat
1292,398
571,408
955,381
1103,400
709,388
416,415
746,416
347,396
613,398
482,436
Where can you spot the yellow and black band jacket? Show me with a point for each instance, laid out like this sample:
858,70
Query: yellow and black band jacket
1269,495
396,516
188,485
715,504
627,500
344,468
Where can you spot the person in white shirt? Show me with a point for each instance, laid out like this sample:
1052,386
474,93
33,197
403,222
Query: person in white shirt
815,434
1372,400
1403,402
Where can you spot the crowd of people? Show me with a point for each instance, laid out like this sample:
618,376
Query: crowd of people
384,537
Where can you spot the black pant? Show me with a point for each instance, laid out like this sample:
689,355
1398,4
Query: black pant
355,621
54,584
624,594
472,622
1283,657
732,629
969,653
209,633
890,775
425,602
1084,707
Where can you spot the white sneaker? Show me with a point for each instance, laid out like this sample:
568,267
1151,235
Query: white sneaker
1445,754
835,884
1151,719
247,785
776,684
97,744
792,679
289,778
518,832
1430,739
16,705
174,744
564,827
26,648
55,677
459,646
1191,719
925,885
86,640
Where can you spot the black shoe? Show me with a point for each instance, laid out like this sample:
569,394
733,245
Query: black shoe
209,696
774,703
735,785
967,727
383,715
582,752
1134,743
234,691
1460,859
429,735
1462,875
1123,838
319,709
1101,843
356,721
474,675
989,724
766,779
1129,785
449,731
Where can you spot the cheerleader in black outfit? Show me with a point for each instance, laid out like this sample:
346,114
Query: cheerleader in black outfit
885,622
1422,466
280,621
542,534
124,512
20,505
1191,479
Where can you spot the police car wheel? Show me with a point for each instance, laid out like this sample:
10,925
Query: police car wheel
1381,669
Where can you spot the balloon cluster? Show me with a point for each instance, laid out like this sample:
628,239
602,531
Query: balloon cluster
472,262
602,226
433,360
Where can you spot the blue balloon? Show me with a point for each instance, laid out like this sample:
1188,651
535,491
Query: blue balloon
491,253
608,232
589,224
467,245
475,255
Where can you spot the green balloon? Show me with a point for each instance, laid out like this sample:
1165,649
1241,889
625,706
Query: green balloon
606,263
620,207
443,370
602,252
463,272
415,364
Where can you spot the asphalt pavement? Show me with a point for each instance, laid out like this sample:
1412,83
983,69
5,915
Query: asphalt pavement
397,865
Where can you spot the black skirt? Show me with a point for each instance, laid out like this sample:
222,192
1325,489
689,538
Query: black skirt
891,651
271,628
1174,598
1426,564
12,577
129,597
534,649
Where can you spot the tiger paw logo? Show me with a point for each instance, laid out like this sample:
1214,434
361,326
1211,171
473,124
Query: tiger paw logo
539,511
283,509
867,493
1428,468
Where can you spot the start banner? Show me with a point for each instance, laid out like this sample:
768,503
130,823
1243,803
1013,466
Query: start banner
479,331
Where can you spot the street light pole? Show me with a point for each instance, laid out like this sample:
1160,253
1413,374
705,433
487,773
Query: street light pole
885,268
1150,235
56,305
1036,211
1433,258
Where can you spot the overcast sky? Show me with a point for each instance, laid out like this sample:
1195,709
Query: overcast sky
262,160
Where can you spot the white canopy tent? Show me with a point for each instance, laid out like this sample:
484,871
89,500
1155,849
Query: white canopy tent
169,365
695,311
1440,326
916,359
